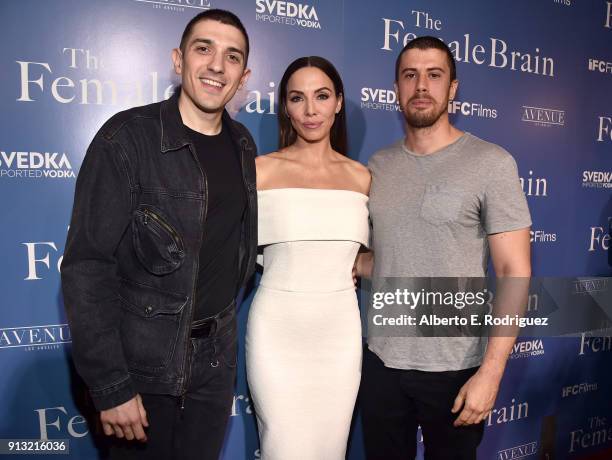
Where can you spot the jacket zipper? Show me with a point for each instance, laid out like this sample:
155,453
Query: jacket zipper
247,260
188,351
150,214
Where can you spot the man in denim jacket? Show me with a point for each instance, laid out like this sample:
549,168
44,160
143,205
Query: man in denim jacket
162,237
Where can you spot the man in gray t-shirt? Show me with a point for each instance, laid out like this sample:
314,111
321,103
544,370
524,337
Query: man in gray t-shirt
441,200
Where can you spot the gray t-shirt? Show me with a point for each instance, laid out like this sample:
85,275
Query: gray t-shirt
431,215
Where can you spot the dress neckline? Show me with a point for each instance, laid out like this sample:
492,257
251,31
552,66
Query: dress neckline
280,189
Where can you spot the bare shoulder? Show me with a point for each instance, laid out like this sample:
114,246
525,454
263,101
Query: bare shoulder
359,173
262,160
265,166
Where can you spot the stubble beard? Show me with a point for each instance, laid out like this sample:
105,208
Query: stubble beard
425,118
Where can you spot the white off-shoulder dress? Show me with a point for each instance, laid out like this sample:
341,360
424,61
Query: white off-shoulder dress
303,341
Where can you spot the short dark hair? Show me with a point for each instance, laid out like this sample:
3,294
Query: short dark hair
286,133
425,43
222,16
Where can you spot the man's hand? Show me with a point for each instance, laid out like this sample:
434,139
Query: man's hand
126,420
363,266
477,398
510,252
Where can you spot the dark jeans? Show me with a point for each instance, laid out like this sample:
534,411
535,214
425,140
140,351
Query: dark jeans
193,428
394,402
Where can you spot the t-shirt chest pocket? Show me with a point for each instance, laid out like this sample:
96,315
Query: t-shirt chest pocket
441,204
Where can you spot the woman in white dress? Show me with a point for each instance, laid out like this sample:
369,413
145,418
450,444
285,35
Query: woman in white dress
303,342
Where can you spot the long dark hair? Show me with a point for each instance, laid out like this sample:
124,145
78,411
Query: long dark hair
286,132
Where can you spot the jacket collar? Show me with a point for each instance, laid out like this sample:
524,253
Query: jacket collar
173,134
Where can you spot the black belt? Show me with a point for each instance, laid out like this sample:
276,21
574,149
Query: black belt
209,327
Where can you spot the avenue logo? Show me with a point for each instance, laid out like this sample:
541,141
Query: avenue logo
517,452
34,338
177,5
543,117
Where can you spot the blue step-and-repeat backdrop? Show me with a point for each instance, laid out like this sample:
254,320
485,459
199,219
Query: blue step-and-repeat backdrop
535,77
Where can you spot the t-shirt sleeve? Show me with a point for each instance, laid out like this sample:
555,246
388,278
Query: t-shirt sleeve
505,206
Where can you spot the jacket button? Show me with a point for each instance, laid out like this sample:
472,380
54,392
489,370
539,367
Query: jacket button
148,309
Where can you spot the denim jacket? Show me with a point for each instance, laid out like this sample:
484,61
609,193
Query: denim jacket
131,258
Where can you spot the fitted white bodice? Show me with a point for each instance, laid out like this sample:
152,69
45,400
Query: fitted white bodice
310,237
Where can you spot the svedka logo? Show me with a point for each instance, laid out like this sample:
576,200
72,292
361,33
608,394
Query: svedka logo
526,349
543,117
597,179
35,165
32,338
289,13
471,109
518,451
379,99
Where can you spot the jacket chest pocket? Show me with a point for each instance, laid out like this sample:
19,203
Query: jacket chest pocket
159,247
441,204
